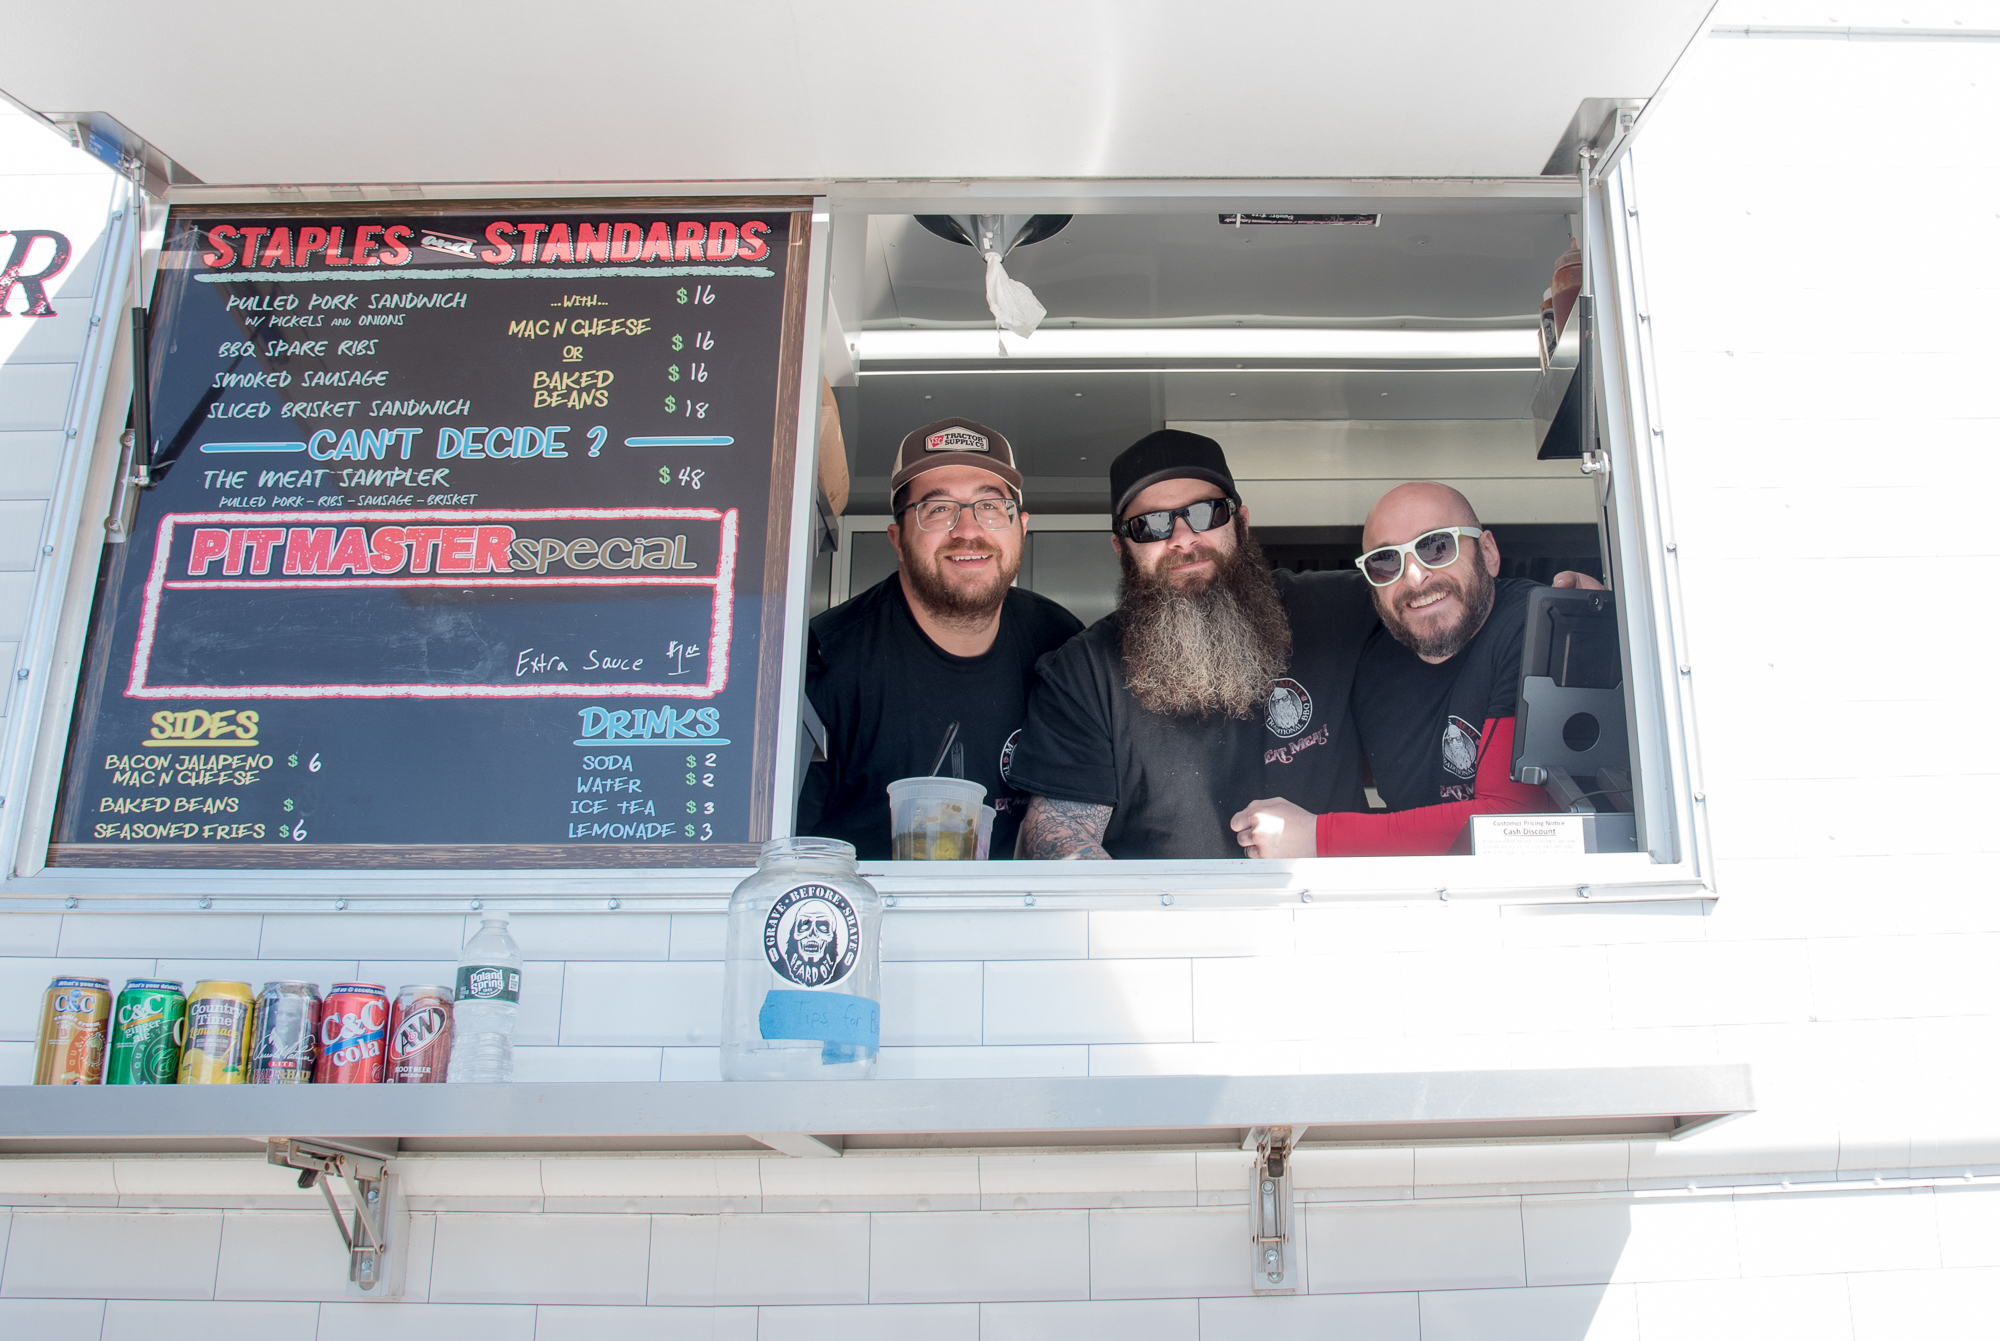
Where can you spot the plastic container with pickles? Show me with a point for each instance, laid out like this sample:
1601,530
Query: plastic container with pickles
935,819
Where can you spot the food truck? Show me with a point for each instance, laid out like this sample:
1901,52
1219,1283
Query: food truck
426,451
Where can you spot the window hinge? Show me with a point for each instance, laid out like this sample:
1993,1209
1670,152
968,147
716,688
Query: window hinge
1274,1265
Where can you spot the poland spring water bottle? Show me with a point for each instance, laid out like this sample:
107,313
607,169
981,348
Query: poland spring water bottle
802,986
484,1005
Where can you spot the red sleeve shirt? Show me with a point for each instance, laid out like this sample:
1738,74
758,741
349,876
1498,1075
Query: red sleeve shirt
1431,830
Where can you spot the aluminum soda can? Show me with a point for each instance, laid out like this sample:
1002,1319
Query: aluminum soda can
287,1034
69,1040
420,1036
148,1030
353,1035
221,1017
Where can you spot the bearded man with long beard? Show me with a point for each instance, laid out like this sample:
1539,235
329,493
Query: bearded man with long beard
945,638
1214,681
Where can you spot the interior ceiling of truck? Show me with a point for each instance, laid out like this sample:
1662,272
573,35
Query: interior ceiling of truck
1437,273
646,90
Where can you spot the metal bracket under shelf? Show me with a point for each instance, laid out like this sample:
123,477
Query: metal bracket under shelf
366,1232
1274,1261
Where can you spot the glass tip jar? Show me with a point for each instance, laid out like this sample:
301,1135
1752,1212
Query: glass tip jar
802,980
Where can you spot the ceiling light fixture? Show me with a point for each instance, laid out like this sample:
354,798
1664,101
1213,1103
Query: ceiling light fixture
1166,343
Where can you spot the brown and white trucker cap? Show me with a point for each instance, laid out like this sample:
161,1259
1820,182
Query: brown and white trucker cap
954,442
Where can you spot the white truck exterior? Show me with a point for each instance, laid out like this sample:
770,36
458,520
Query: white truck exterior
1820,216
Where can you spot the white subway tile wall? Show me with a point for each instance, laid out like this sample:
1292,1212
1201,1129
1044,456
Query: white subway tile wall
980,1255
540,1259
203,1320
53,1319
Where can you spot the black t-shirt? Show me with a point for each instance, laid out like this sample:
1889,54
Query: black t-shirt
1174,782
886,693
1421,723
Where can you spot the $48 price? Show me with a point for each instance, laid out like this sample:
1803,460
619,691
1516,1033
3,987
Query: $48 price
687,475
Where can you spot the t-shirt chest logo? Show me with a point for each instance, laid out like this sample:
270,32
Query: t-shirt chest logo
957,440
1461,747
1007,756
1289,710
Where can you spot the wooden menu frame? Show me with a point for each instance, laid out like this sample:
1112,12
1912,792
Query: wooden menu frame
774,728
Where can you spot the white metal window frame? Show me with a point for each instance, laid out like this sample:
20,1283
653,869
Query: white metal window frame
1641,556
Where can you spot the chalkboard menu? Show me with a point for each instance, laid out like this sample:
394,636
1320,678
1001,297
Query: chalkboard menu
467,547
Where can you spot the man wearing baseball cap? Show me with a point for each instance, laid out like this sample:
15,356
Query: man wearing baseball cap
946,638
1214,682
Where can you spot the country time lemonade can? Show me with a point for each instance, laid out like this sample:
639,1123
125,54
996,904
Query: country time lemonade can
69,1043
148,1029
219,1034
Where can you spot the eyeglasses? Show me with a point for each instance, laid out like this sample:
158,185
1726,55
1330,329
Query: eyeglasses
942,514
1151,527
1433,549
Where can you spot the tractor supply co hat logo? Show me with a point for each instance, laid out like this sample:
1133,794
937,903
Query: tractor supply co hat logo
957,440
811,936
1461,747
1289,709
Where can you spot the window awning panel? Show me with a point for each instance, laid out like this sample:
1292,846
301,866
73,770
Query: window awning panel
514,92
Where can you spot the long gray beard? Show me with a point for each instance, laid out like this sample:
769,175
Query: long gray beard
1196,653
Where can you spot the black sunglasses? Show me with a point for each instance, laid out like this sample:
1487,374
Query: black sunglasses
1151,527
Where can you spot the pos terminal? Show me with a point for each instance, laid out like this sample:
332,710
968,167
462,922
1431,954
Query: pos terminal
1569,732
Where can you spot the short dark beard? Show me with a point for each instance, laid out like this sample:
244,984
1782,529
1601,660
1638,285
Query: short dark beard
1194,653
1440,644
950,604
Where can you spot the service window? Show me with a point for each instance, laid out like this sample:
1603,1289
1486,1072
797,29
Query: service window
1333,356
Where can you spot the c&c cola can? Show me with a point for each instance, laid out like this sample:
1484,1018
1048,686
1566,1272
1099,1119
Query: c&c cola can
420,1036
221,1017
148,1029
353,1029
287,1034
69,1041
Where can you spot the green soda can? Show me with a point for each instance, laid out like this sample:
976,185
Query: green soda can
148,1028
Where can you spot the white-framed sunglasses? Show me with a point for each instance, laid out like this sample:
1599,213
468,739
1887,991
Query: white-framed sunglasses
1383,565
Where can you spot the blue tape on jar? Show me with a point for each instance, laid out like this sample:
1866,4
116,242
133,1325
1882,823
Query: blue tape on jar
832,1018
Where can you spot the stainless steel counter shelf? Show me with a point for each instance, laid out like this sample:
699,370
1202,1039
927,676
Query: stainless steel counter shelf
827,1118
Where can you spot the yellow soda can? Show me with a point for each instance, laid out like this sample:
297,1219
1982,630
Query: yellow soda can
219,1034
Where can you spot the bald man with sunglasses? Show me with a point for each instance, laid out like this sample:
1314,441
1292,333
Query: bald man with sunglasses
1434,695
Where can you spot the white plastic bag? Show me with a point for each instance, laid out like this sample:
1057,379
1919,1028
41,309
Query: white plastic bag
1014,304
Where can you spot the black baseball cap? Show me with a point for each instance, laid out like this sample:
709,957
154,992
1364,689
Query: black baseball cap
1169,454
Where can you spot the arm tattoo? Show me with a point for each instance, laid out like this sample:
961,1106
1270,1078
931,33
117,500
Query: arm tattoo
1055,830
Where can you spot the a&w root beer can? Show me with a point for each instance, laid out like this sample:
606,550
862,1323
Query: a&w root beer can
420,1036
353,1032
287,1034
